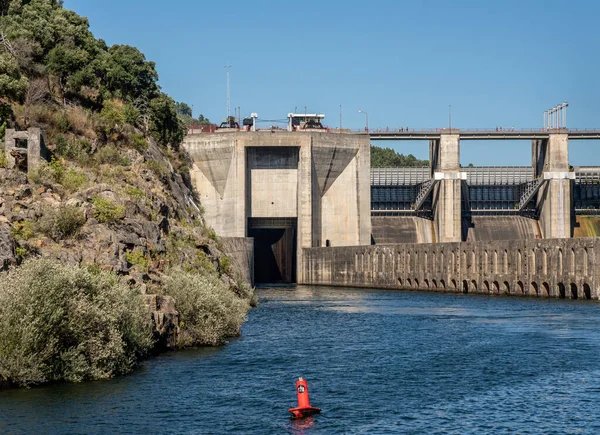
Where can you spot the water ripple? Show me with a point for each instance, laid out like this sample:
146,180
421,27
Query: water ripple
378,362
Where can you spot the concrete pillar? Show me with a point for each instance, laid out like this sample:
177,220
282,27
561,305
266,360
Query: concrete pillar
240,177
305,206
9,144
35,149
447,199
554,202
363,169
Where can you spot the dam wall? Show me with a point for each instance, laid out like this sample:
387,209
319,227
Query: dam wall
402,229
241,252
413,229
558,268
587,226
488,228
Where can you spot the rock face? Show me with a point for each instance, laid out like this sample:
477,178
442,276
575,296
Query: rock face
166,321
150,221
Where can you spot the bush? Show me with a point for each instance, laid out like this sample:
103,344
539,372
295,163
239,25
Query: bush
72,180
209,311
63,323
62,122
2,130
23,230
159,169
131,114
106,211
137,258
76,149
47,173
135,193
3,159
112,118
224,265
138,142
62,223
111,155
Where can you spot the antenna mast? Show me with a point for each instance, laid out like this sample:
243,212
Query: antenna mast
228,67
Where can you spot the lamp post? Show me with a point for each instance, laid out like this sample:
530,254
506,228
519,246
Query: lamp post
545,122
367,115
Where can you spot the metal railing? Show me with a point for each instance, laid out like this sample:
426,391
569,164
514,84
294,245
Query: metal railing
530,190
424,192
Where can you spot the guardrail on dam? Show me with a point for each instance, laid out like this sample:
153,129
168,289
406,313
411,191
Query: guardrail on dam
560,268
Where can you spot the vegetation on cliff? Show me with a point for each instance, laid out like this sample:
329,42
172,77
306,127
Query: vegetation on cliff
388,158
59,323
112,213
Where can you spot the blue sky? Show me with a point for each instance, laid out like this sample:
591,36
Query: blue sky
496,63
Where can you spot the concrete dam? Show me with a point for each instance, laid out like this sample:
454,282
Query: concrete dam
304,195
286,190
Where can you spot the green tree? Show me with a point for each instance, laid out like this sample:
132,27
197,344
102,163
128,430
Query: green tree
128,75
183,109
12,84
166,127
388,158
65,62
202,120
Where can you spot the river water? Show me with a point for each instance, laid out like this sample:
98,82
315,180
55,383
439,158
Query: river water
377,362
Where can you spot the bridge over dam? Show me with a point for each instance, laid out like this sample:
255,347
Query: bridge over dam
299,193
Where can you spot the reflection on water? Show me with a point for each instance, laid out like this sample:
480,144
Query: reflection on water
301,426
377,362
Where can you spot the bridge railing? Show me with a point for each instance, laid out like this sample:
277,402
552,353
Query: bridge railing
467,130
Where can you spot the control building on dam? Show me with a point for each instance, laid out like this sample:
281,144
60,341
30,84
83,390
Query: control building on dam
286,190
308,197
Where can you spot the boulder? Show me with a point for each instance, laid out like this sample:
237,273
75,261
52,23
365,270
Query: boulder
165,319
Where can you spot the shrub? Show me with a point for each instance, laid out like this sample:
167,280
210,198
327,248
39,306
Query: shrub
62,223
21,253
209,311
202,263
3,159
137,258
138,142
160,169
131,114
211,234
80,122
135,193
47,173
2,130
23,230
76,149
72,180
63,323
112,117
111,155
106,211
224,264
62,122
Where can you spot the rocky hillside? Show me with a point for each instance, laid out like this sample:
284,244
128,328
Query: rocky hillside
108,221
134,216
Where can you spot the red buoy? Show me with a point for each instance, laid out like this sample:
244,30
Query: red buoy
304,409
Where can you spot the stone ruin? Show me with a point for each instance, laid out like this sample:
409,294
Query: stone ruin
25,149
